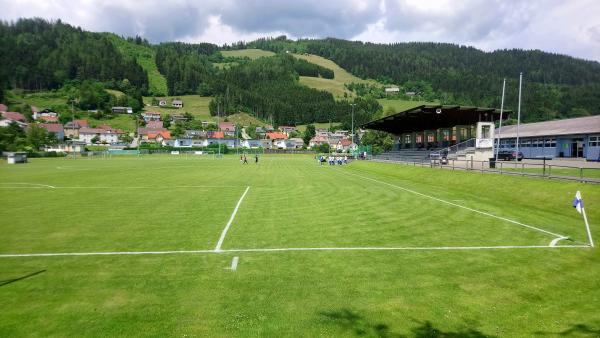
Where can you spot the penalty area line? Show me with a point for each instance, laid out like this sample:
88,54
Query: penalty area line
234,262
224,232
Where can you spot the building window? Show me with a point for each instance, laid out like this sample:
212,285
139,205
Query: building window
485,131
430,138
419,139
594,141
463,133
407,139
550,143
446,134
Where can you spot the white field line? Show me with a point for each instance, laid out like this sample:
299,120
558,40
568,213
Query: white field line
170,252
224,233
44,186
460,206
555,241
29,185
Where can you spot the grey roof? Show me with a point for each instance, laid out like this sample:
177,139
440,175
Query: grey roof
579,125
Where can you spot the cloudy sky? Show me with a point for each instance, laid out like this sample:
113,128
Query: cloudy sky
563,26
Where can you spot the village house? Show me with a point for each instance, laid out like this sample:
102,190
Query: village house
287,129
194,134
48,119
14,116
215,134
275,136
178,117
392,91
7,122
317,141
162,103
55,129
158,136
228,128
103,134
154,125
345,145
122,110
151,116
72,128
177,103
37,114
251,144
3,108
143,132
298,142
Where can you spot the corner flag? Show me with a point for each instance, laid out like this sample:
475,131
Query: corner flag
578,202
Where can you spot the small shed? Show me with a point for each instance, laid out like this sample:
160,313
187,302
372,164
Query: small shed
16,157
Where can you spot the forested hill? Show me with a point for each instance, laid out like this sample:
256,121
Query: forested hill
36,54
554,85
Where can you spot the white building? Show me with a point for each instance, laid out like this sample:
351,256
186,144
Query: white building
106,136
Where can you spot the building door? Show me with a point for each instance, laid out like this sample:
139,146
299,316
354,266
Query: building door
577,148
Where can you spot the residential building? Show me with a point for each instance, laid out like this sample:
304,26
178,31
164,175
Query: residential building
122,110
72,128
287,129
251,144
55,129
177,103
3,108
178,117
182,143
162,103
392,91
215,134
151,116
276,136
37,114
297,142
194,134
48,119
317,141
7,122
158,136
228,128
143,132
103,135
154,124
14,116
345,145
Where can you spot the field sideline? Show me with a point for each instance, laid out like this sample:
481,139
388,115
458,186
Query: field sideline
129,245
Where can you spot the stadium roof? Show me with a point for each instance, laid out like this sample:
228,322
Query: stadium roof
579,125
432,117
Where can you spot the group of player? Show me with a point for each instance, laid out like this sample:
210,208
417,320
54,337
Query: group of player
333,160
244,159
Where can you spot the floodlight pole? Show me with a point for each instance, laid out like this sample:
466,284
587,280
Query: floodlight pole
501,110
352,104
519,114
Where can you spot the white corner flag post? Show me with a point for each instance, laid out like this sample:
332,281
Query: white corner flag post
578,205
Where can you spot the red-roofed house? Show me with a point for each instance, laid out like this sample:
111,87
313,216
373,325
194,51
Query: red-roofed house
277,136
54,128
49,119
72,127
317,141
106,136
228,128
159,136
215,134
344,145
154,125
14,116
3,107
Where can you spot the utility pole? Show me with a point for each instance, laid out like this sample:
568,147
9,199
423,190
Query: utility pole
501,110
352,104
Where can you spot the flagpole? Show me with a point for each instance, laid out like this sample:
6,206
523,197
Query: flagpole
500,126
587,226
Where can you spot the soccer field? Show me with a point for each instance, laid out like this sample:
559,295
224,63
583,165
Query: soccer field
185,246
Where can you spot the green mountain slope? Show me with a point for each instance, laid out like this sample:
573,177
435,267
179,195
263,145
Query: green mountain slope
146,57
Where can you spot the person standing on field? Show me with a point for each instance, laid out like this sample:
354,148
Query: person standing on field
245,160
256,158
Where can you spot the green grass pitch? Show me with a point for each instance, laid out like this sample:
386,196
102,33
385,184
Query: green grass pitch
368,249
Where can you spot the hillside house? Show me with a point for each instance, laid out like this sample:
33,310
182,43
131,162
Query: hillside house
55,129
287,129
275,136
177,103
162,103
72,128
143,132
392,91
154,125
228,128
151,116
317,141
48,119
345,145
158,136
298,142
122,110
104,135
14,116
37,114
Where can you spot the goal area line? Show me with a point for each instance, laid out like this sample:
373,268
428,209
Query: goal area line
221,251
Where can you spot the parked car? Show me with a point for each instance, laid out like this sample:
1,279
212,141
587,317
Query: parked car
509,155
